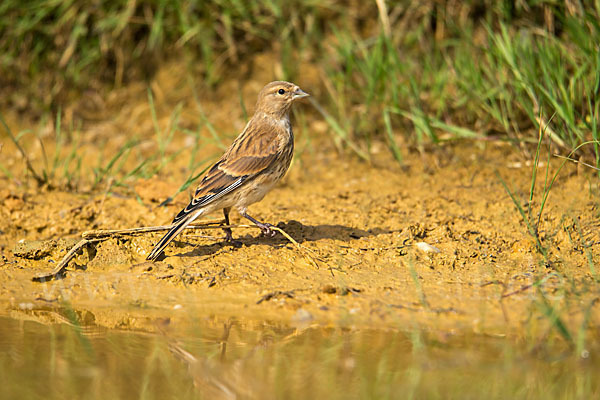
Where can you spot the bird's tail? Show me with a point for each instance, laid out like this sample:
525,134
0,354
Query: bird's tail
173,232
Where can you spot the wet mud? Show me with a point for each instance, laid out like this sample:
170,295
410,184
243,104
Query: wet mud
436,244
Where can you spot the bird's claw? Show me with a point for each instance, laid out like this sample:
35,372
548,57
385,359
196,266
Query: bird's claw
229,239
267,231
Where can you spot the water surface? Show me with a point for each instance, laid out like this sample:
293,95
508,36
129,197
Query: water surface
248,359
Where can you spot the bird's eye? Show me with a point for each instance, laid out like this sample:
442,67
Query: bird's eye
281,91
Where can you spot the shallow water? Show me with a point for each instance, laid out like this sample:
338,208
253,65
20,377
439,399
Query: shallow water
236,359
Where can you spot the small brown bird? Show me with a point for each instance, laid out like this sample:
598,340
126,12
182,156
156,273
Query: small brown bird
251,166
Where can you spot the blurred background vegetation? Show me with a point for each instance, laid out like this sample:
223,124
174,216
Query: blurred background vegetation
415,72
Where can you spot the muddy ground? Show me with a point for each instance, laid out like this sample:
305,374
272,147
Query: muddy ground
436,244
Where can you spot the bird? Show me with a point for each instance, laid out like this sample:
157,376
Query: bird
256,160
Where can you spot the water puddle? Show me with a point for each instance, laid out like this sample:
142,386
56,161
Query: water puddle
62,353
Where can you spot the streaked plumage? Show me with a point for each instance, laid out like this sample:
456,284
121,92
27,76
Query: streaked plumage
250,167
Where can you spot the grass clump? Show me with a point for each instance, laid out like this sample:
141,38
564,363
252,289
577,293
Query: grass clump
51,50
448,74
402,73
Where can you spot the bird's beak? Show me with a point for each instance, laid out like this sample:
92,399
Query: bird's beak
299,93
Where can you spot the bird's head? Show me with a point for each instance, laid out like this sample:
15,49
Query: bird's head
277,97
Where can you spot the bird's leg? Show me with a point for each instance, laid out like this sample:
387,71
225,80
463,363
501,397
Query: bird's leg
264,227
228,233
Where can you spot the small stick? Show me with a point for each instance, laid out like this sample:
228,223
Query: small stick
99,236
303,250
40,181
108,186
104,234
520,290
577,161
101,233
385,19
60,267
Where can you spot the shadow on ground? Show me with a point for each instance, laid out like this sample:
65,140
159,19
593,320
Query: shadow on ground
299,232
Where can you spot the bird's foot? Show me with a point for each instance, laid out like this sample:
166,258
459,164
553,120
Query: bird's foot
230,240
235,243
266,229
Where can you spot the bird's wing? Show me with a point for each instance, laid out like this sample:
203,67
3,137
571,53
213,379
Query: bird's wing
249,155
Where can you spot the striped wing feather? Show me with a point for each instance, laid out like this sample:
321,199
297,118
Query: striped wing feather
249,155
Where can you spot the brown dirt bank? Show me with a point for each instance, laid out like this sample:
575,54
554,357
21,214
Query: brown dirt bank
371,227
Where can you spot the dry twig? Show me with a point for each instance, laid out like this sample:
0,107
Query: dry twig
40,181
62,265
100,235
